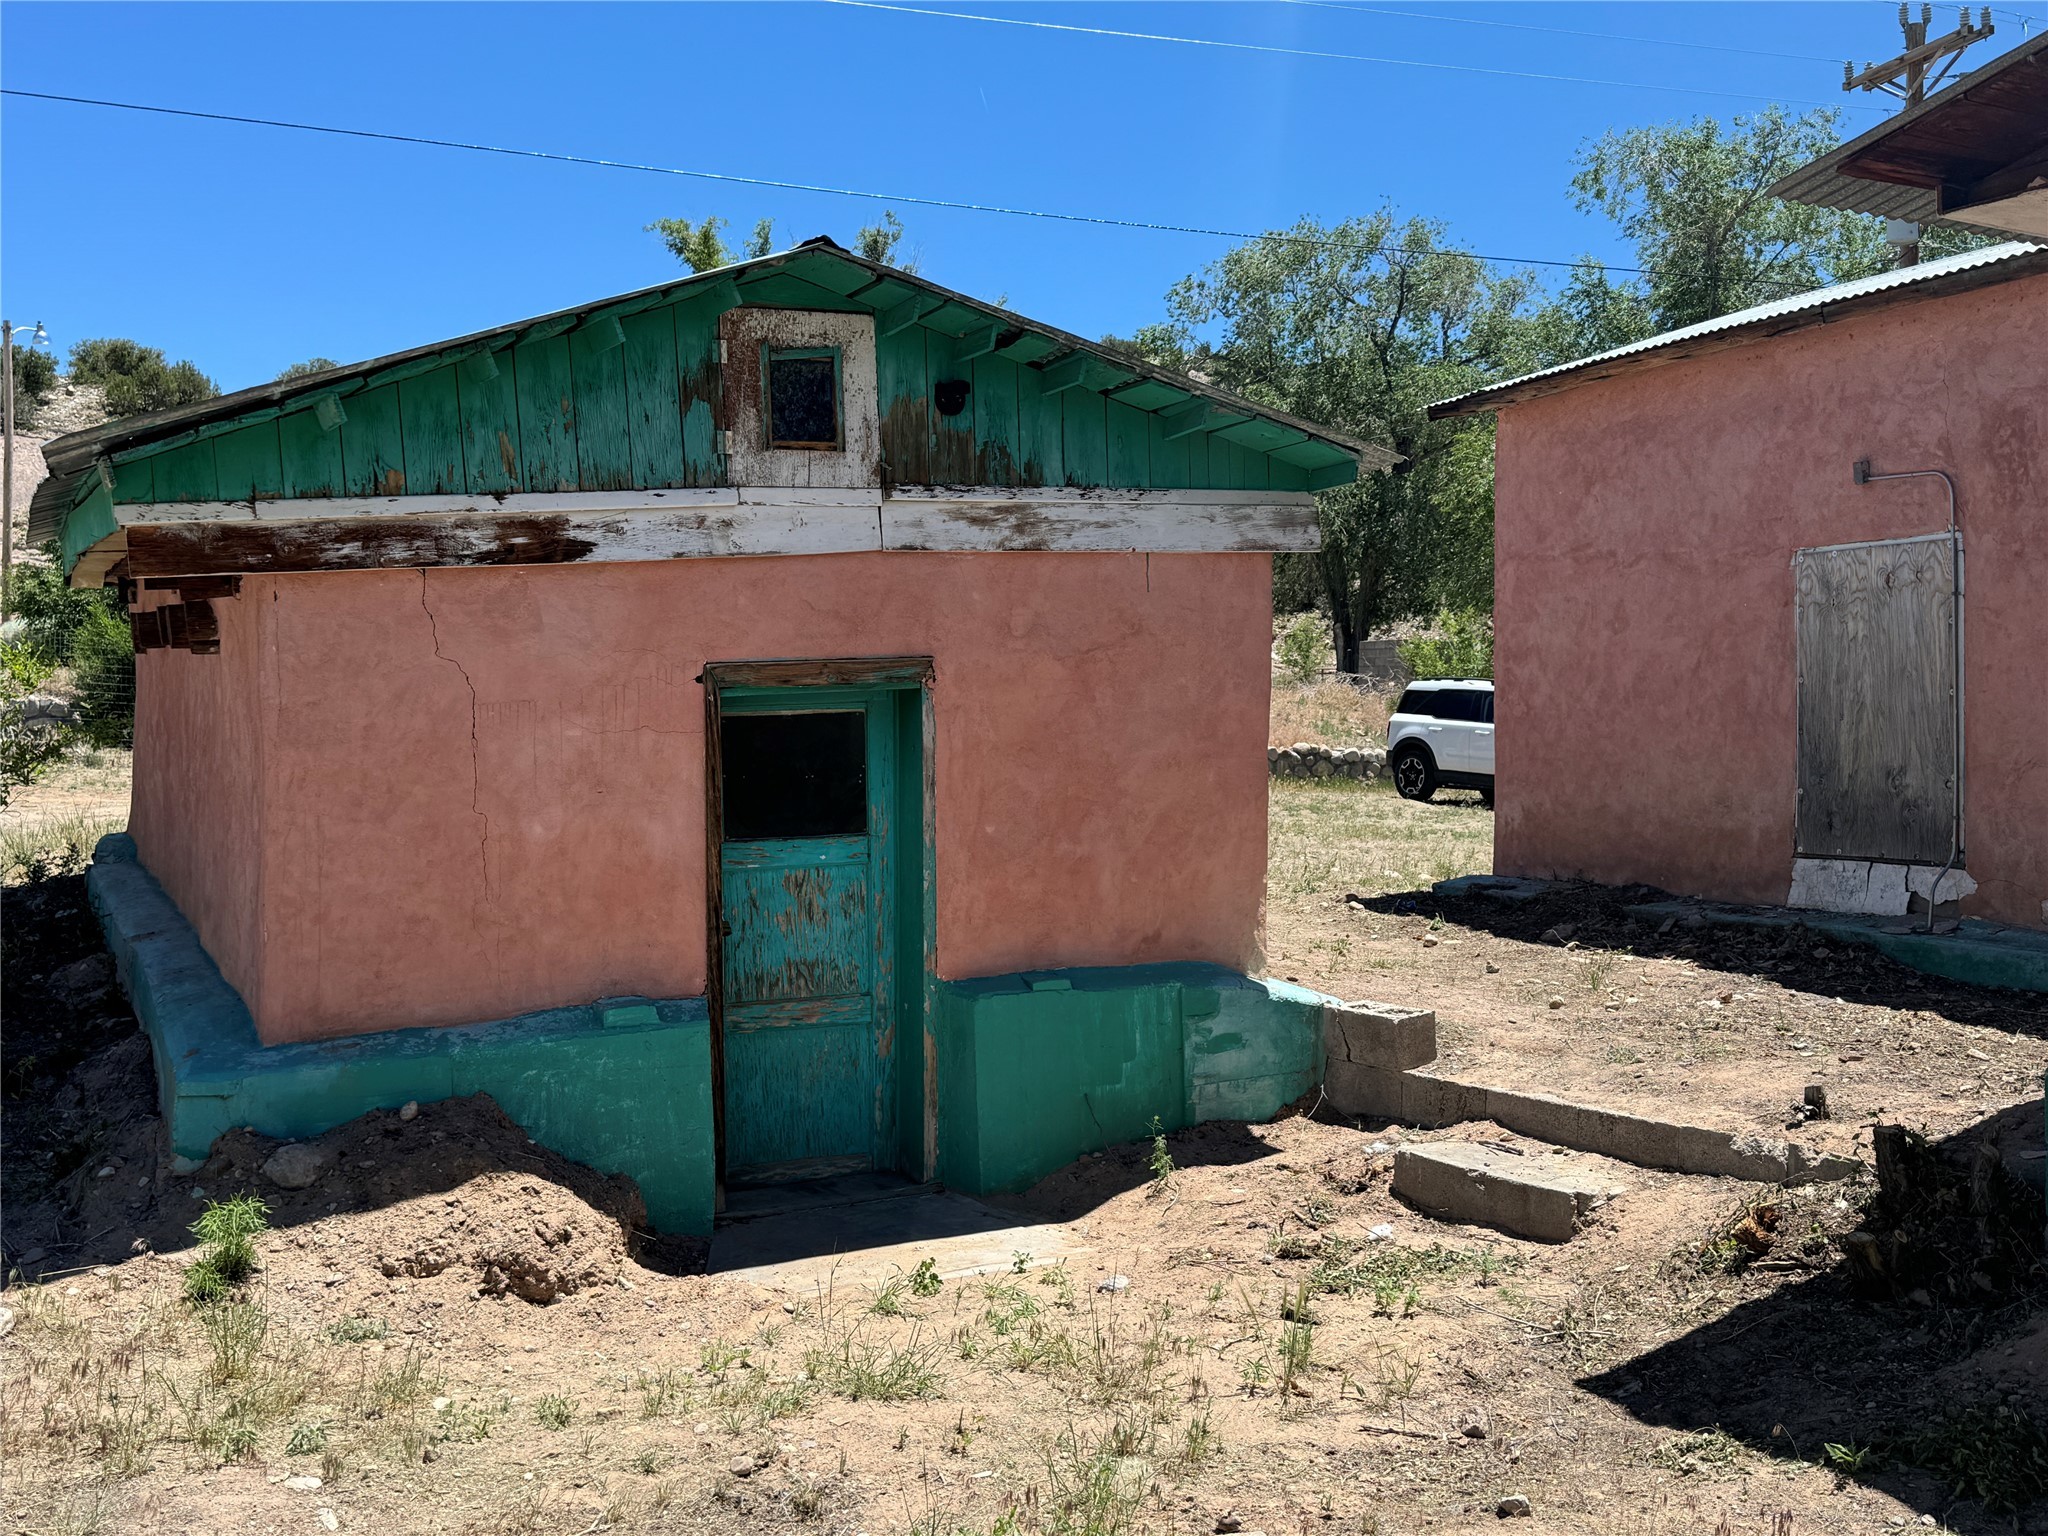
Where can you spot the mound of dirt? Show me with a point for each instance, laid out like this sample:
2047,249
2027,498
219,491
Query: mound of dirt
457,1186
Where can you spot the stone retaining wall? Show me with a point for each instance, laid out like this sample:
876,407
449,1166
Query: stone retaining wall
1311,760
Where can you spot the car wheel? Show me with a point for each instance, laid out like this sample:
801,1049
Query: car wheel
1486,797
1415,774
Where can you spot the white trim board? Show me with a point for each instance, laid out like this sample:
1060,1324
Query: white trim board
356,533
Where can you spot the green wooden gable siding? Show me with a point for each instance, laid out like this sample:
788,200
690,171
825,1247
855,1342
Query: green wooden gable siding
630,397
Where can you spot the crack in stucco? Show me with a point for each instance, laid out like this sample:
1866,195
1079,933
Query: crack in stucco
475,766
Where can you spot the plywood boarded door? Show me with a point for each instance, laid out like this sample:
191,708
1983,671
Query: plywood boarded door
1877,703
805,899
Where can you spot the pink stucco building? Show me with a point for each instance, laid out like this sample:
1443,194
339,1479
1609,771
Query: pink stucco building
791,721
1734,639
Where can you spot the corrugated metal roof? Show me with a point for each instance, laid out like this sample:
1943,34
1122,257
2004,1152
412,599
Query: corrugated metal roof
1970,269
1823,184
73,456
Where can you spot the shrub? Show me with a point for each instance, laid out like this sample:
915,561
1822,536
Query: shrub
85,630
35,380
138,378
1301,646
1464,648
103,672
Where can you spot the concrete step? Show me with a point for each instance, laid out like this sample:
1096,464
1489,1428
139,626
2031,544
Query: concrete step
1528,1189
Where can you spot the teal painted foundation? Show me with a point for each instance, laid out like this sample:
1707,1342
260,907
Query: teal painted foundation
623,1086
1034,1070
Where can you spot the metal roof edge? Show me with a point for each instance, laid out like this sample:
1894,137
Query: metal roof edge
1930,280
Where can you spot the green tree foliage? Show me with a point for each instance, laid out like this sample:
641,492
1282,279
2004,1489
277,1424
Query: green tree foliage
1301,647
1461,647
1693,200
697,246
86,631
35,380
309,366
1361,325
138,378
103,676
701,246
878,242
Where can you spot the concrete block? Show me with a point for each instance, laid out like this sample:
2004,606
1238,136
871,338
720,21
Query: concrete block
1537,1196
1380,1035
1376,1093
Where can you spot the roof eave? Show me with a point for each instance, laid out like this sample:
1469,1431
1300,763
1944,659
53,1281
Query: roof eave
76,450
1653,353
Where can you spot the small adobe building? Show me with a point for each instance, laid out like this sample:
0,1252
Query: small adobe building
1770,605
792,720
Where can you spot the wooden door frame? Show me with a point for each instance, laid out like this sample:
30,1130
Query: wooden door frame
892,673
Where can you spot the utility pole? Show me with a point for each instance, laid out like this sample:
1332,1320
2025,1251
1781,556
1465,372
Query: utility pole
7,495
1908,77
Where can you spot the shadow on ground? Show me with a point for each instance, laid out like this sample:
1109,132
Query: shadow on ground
1913,1358
1595,917
88,1182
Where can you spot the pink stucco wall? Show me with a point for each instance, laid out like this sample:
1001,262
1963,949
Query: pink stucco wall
479,792
1644,531
196,809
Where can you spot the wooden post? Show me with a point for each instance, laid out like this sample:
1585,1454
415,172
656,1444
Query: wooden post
1907,75
7,494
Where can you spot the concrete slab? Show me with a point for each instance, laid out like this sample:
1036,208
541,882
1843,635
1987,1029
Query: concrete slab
1432,1099
1533,1192
808,1246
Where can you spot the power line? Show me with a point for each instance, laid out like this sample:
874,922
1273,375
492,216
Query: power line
1525,26
907,200
1316,53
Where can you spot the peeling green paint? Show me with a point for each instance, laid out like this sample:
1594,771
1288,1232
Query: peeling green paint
1033,1075
629,1098
1032,1070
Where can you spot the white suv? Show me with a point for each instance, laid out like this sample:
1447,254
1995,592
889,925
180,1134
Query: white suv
1441,736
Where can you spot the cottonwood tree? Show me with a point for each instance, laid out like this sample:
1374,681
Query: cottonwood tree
1360,325
302,369
1693,200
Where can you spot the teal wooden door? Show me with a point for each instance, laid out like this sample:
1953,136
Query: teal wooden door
806,892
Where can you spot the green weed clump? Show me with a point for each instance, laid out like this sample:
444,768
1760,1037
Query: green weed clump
1998,1454
228,1229
554,1411
1161,1161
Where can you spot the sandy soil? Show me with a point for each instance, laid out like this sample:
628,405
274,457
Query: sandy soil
1569,995
1291,1349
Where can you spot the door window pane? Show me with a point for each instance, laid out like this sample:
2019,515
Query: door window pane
795,775
803,400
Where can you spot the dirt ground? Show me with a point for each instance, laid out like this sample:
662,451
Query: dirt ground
62,814
1569,995
451,1330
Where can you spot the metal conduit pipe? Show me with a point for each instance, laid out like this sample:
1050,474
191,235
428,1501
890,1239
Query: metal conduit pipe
1863,475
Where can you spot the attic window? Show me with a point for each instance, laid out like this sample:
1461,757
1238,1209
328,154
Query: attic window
803,398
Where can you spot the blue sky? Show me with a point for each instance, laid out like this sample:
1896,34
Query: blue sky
247,248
